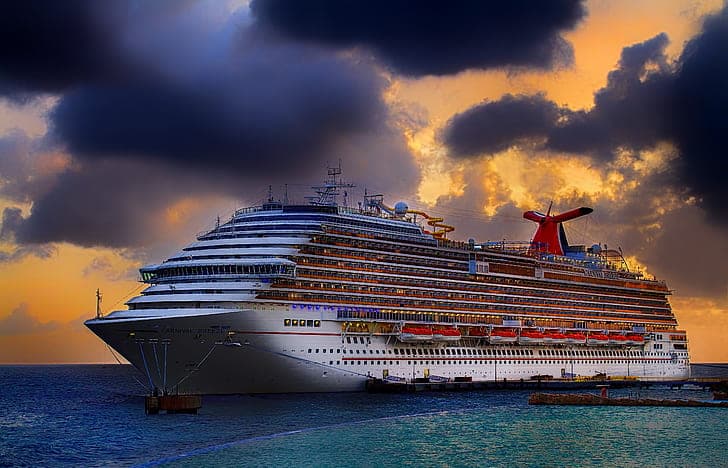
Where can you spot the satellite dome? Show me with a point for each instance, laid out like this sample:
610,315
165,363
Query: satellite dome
400,209
596,248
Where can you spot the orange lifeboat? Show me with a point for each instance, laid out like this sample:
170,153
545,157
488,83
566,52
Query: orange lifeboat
554,338
498,336
531,337
617,339
415,334
634,340
597,339
446,334
575,338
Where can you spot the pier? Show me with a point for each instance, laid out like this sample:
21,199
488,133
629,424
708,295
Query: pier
423,385
586,399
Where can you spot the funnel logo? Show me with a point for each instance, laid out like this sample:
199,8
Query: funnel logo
550,236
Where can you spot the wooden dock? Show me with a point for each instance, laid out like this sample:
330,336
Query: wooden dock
586,399
420,385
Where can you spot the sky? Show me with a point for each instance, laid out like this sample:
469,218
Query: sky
127,127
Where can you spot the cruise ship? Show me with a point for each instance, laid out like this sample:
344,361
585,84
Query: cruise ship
322,297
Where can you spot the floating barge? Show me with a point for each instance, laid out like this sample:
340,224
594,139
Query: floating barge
585,399
172,404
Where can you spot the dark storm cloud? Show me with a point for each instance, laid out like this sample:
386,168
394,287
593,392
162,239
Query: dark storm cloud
646,101
679,244
631,110
634,110
12,222
12,219
491,127
47,46
195,104
277,108
432,37
164,81
700,117
112,203
27,166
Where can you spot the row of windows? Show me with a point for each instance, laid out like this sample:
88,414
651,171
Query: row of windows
487,288
476,362
323,218
232,232
545,318
207,270
448,274
378,244
452,351
490,298
301,323
445,253
379,256
447,307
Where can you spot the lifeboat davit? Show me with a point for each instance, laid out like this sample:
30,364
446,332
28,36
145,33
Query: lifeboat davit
446,334
575,338
415,334
477,333
531,337
503,336
597,339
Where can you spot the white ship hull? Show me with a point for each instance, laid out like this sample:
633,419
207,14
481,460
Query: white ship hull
251,351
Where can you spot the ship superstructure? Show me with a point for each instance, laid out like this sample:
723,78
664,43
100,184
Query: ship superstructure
322,297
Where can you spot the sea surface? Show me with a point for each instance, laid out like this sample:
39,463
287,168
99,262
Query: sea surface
89,415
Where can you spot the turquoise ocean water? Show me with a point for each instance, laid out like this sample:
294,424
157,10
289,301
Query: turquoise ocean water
93,415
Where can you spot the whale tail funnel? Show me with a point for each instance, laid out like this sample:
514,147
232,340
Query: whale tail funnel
550,236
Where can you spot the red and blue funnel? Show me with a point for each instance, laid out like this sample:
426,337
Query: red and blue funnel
550,236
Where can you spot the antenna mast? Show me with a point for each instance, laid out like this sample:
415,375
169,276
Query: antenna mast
328,192
98,303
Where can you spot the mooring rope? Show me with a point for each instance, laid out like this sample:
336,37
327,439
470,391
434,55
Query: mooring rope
119,362
189,374
146,368
156,359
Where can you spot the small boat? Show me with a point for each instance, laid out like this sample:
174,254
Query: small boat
503,336
597,339
477,333
438,379
394,379
446,334
531,337
554,338
415,334
634,340
575,338
617,339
